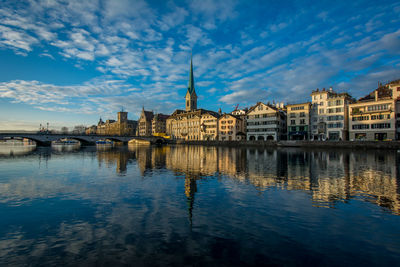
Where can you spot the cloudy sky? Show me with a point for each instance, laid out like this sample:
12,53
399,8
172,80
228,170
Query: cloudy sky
70,62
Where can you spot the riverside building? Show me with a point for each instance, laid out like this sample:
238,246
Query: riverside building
298,121
186,124
159,124
209,126
145,123
376,116
266,122
329,115
121,127
231,128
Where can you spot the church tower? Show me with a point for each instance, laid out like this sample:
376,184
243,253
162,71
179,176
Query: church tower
191,97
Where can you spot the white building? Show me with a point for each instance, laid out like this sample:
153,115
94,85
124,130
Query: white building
266,122
329,115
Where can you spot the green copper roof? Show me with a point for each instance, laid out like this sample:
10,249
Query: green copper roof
191,78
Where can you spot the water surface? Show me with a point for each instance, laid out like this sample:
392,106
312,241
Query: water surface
195,205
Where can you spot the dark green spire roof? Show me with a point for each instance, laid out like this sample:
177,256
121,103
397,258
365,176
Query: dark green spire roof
191,78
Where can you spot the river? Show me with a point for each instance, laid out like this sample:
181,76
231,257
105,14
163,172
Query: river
197,205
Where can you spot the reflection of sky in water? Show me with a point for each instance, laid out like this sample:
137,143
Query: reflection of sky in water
197,205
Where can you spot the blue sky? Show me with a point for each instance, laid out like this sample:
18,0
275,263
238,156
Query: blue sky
70,62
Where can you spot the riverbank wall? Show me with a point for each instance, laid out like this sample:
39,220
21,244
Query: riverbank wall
305,144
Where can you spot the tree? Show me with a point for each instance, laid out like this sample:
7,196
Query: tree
79,129
64,130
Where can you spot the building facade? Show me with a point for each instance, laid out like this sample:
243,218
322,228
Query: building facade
159,124
231,128
121,127
298,121
266,122
329,115
187,124
209,126
375,116
145,123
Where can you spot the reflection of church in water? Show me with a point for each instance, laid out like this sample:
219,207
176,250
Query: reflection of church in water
328,176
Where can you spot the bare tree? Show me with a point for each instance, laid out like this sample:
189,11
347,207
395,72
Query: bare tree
64,130
79,129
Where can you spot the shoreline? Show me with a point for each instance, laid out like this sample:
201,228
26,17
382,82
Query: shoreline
302,144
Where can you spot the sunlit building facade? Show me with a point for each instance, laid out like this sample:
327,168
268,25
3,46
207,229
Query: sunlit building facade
231,128
298,121
266,122
329,115
375,116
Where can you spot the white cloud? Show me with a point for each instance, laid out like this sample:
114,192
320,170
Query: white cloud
16,39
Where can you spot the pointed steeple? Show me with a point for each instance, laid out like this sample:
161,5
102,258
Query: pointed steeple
191,78
191,97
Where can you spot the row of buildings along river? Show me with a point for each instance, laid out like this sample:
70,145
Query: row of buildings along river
329,115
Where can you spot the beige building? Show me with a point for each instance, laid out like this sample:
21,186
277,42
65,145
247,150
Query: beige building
374,117
329,115
187,124
298,121
209,126
231,128
241,113
266,122
159,124
121,127
145,123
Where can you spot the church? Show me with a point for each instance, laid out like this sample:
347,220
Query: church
188,124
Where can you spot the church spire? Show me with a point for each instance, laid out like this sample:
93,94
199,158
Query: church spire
191,97
191,78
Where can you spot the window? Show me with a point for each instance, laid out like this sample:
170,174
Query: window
321,111
292,122
335,118
380,125
379,107
321,103
360,126
302,121
302,114
360,118
339,109
297,108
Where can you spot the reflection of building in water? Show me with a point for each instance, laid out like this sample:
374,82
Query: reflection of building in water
266,167
232,161
328,176
118,158
376,175
190,190
199,160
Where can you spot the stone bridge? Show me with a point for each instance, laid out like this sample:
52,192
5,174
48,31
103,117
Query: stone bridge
45,139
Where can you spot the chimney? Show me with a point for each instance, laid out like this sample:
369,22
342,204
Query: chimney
376,94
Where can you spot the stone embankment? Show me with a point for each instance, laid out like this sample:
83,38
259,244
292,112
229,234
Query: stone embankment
305,144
